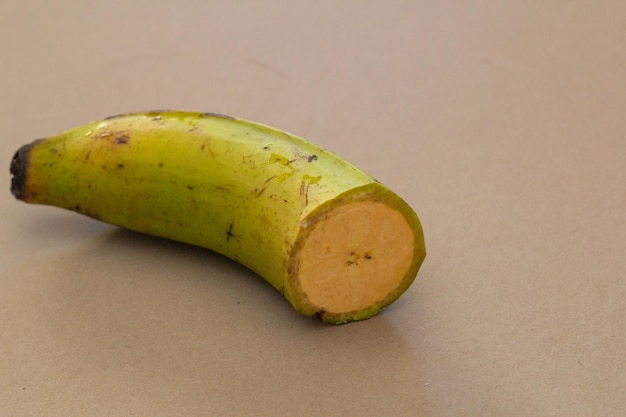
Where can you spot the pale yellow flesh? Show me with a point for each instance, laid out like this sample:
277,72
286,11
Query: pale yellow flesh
355,256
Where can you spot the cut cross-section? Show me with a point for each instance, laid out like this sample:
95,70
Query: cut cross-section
355,256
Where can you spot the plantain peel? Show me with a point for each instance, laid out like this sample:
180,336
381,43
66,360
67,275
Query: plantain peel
335,242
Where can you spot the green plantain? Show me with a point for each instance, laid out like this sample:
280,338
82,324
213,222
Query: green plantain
334,241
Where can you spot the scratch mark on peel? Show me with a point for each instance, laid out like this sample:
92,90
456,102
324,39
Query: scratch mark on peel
305,184
229,232
306,195
304,192
261,191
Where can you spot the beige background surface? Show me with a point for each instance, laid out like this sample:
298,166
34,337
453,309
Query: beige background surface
502,123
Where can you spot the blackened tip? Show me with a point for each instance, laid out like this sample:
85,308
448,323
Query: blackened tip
19,167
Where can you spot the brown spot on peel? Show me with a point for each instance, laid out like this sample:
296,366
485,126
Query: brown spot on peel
320,314
211,114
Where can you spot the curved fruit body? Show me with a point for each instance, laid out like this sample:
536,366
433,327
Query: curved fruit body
334,241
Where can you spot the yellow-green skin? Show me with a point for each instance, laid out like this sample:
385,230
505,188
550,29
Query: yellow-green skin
245,190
